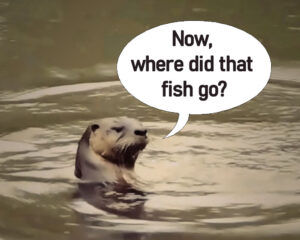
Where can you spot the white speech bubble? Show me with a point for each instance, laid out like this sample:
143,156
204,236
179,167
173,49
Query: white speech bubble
194,67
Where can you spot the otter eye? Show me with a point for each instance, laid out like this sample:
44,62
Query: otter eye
94,127
117,129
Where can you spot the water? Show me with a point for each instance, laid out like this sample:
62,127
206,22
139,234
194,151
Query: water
229,175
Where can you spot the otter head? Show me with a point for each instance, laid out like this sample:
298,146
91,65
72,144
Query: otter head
117,140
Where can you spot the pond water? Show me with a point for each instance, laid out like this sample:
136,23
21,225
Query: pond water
229,175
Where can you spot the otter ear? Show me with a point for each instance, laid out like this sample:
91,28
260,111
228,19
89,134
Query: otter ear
94,127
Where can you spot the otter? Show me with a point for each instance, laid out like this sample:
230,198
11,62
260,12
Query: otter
105,160
108,149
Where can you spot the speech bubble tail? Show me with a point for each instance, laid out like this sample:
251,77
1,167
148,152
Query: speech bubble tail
182,120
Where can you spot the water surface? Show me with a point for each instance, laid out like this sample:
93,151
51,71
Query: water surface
229,175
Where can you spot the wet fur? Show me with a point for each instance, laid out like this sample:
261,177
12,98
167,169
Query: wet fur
107,150
84,140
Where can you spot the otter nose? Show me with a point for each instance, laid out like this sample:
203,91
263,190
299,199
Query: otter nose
140,132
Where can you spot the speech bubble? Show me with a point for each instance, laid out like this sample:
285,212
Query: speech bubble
194,67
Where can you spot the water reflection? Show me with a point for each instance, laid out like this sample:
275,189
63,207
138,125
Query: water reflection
227,174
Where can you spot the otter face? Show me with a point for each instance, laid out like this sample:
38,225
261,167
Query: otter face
118,140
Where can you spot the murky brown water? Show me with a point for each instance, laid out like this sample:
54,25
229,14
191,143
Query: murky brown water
229,175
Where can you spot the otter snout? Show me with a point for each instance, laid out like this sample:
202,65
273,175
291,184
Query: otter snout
141,132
